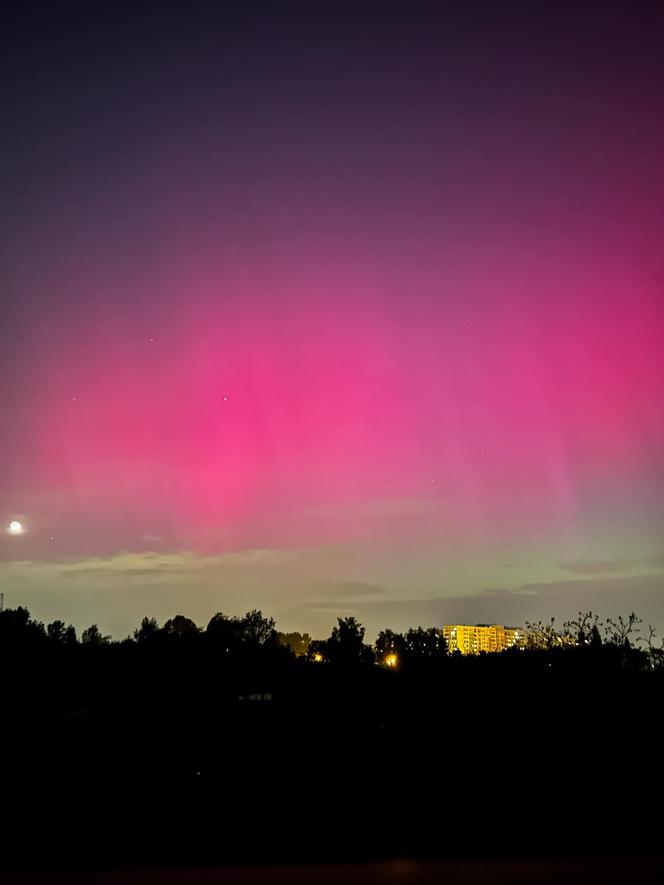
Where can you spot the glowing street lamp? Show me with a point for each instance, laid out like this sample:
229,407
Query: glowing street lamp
15,528
390,660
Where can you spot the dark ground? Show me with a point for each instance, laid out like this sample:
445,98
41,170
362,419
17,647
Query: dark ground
125,758
397,872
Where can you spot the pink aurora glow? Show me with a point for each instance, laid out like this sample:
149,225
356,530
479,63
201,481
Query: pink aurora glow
231,418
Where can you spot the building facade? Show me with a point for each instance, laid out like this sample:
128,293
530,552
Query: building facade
470,639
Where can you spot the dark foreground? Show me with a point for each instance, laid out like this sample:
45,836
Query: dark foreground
177,755
397,872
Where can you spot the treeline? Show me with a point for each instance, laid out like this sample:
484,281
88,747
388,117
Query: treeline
621,639
233,741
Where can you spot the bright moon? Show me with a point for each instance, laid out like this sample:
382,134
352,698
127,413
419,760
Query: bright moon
15,527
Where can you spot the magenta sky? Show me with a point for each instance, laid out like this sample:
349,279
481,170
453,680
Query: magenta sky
330,314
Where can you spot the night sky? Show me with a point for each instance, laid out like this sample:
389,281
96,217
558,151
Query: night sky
332,308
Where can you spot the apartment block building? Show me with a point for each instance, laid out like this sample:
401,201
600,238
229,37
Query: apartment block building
473,639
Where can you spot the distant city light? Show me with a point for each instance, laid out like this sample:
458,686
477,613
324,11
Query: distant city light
473,639
15,527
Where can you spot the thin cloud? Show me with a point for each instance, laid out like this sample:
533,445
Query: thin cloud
593,566
306,588
609,597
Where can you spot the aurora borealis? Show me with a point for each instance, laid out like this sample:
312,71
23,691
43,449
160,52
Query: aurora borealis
332,309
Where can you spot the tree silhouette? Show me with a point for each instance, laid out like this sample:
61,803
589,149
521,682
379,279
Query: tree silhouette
619,631
390,648
60,633
69,637
346,644
298,643
93,636
180,627
148,630
425,644
56,631
317,650
257,629
586,628
544,635
18,628
223,632
123,712
253,630
654,652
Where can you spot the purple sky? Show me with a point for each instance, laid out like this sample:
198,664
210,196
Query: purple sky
332,309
